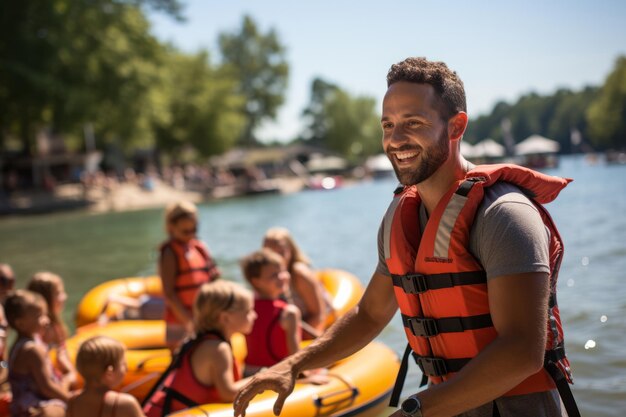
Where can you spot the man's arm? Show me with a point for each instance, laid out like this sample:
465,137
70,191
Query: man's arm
349,334
519,305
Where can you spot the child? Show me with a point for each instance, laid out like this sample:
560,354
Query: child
184,265
204,370
100,361
36,389
7,282
50,287
276,334
306,292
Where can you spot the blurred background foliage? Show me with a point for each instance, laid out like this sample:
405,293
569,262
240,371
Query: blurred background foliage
72,65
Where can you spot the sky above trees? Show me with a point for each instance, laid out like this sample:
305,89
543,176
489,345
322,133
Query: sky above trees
501,50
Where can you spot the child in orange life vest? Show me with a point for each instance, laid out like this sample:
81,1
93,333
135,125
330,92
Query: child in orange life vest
184,265
36,389
205,370
276,333
101,363
50,287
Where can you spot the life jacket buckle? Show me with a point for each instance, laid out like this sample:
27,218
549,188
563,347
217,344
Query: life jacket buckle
414,283
431,366
423,327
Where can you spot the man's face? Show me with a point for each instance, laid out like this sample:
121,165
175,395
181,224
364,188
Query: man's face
415,138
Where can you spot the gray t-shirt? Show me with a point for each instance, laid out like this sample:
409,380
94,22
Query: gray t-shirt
507,237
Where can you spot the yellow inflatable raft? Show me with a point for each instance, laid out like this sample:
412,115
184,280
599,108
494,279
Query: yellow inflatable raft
344,288
146,355
360,385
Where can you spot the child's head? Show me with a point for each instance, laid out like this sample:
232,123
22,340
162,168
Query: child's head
7,280
181,220
26,312
224,306
50,287
100,360
280,241
265,270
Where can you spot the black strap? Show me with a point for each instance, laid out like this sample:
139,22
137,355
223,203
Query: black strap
496,411
465,187
565,392
177,360
397,387
436,367
428,327
429,366
170,395
418,283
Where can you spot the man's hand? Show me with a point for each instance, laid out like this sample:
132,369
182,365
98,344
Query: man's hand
280,378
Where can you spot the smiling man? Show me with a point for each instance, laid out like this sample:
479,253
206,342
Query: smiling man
471,258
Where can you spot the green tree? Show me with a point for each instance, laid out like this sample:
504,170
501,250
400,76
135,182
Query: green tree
258,63
607,113
314,114
202,109
343,123
64,63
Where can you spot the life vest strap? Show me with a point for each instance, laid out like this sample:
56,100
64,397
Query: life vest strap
428,327
418,283
437,367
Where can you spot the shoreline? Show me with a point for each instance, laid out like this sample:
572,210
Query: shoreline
128,197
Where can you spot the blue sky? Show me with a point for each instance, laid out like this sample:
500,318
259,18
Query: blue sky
501,50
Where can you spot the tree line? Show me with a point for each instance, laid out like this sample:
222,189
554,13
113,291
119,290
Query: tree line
77,66
592,118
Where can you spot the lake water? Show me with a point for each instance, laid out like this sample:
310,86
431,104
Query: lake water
338,229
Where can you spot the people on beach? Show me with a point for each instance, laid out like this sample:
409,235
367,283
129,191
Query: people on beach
469,255
50,286
305,291
205,369
101,362
36,389
276,333
184,265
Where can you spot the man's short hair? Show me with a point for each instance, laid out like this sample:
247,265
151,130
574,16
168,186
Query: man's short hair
446,82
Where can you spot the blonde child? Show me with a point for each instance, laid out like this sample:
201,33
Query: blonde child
204,370
36,390
184,265
276,333
50,286
100,361
305,291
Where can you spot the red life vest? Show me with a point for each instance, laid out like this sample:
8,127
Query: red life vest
267,342
194,267
442,289
180,389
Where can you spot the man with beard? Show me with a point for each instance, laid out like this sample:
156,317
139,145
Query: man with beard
471,258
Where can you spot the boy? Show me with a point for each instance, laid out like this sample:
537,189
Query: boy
276,332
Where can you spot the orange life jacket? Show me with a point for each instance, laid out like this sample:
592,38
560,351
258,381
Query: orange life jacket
442,289
179,388
194,267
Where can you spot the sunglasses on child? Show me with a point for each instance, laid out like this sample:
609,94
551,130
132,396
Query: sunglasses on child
189,232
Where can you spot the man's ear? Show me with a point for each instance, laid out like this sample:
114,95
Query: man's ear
457,125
